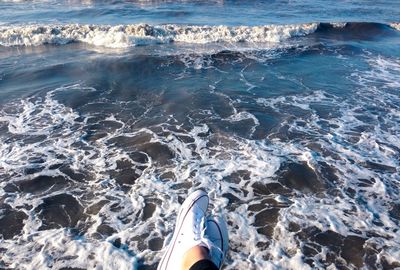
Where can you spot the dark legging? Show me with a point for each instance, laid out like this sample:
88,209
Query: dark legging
204,265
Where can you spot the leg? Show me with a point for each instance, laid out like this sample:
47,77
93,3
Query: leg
194,255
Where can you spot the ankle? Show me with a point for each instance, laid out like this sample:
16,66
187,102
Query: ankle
194,255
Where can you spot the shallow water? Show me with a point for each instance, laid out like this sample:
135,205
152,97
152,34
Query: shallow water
286,113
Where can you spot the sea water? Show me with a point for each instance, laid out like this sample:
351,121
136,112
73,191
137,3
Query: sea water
286,112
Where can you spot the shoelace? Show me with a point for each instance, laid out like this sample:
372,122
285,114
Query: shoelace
199,224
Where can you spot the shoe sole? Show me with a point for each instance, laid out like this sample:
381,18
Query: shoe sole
185,208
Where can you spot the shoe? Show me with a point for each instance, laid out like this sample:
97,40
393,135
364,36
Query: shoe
189,230
217,233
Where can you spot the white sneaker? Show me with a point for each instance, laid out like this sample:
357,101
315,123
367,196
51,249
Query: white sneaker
217,233
189,230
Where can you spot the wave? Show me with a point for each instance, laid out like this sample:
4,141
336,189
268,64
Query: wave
356,30
124,36
395,25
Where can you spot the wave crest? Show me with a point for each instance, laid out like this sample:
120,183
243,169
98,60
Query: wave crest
123,36
395,26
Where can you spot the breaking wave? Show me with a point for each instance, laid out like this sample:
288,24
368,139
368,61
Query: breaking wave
125,36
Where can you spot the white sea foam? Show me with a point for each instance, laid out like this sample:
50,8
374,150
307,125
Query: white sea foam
209,160
395,25
339,24
123,36
385,70
370,146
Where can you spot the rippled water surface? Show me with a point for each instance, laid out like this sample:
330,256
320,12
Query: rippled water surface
286,112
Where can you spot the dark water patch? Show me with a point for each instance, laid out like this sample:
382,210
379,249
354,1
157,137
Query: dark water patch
366,182
394,211
270,188
324,151
353,251
159,153
242,128
301,177
4,129
328,173
125,173
106,125
59,211
174,13
185,139
379,167
43,183
268,203
141,241
126,177
185,186
255,207
329,239
129,142
77,97
116,207
31,139
36,160
351,192
293,227
11,221
285,133
33,168
57,165
346,252
295,111
359,129
309,250
326,111
168,176
93,135
220,105
148,210
268,122
237,176
10,188
226,58
75,175
354,31
130,79
233,201
266,220
155,244
318,48
139,157
105,230
102,108
307,232
43,78
117,243
95,208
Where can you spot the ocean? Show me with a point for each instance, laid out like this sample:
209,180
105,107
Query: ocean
286,112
